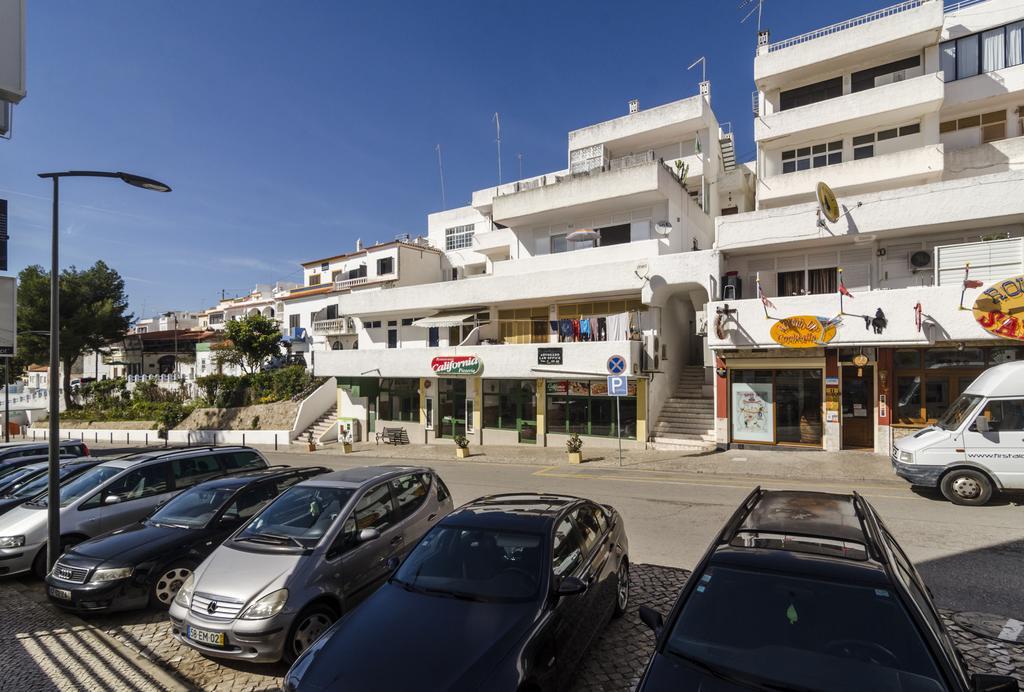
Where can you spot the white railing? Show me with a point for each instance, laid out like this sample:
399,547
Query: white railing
158,378
363,280
954,7
339,325
848,24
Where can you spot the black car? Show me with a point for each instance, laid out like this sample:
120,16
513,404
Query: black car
806,591
10,451
35,480
505,593
145,564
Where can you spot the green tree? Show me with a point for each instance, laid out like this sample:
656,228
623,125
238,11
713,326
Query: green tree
93,313
249,342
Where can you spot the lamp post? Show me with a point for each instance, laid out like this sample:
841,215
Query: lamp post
171,313
53,496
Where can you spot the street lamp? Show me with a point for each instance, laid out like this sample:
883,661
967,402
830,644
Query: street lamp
53,496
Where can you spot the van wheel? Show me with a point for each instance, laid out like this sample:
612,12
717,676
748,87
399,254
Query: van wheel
307,628
967,487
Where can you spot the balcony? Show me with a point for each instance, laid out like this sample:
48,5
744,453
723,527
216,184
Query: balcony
994,157
864,110
898,169
335,326
676,121
586,359
910,25
496,244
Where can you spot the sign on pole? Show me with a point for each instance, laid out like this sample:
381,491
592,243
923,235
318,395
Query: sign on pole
8,316
618,386
616,365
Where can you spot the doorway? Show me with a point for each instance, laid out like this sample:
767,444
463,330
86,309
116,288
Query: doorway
451,396
858,407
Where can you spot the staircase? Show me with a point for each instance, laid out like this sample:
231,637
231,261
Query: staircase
687,420
728,152
320,425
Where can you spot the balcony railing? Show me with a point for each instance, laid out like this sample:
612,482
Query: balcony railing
363,280
616,164
848,24
338,325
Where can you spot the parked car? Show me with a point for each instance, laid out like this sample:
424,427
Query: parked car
35,481
145,564
505,593
977,447
14,476
806,591
111,495
308,557
17,454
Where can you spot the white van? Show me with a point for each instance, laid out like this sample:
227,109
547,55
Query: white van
977,447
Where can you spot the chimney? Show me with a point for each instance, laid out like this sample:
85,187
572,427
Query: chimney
763,38
634,105
359,244
705,89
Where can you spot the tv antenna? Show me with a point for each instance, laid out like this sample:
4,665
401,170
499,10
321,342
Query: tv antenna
703,67
497,125
440,172
520,157
755,6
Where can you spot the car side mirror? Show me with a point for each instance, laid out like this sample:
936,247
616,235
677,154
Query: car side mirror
981,424
993,683
652,618
571,586
368,535
111,500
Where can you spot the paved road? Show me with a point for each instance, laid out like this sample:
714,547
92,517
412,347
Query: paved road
971,557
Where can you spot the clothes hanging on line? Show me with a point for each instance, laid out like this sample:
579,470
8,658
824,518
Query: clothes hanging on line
565,330
618,327
602,328
585,329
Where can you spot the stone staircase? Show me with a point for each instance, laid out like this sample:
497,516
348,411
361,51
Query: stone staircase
320,425
687,420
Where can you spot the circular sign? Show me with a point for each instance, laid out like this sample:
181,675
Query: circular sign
802,331
616,365
999,309
827,202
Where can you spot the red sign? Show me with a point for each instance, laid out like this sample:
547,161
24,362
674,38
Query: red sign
456,365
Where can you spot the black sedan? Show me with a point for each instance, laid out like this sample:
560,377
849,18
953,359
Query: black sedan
505,593
147,563
34,481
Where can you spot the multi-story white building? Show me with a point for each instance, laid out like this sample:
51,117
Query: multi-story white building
264,299
913,116
173,319
500,324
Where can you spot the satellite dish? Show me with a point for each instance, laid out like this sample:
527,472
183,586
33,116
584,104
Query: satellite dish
663,227
827,204
583,234
642,270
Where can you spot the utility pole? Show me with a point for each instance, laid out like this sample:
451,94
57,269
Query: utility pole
497,125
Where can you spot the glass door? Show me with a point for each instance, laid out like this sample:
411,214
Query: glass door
858,407
526,418
452,406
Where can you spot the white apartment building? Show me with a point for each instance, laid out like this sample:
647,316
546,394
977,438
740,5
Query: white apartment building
263,299
500,324
913,116
173,319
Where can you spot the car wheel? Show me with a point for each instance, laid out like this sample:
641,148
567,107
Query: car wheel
967,487
39,564
169,579
622,589
307,628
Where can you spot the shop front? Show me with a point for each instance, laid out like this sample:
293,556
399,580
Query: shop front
777,405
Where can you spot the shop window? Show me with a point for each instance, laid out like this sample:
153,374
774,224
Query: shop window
954,358
399,400
584,407
929,380
798,398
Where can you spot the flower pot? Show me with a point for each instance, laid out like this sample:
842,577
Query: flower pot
461,452
312,446
346,447
575,457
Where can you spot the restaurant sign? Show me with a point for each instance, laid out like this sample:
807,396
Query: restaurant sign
456,365
999,309
803,331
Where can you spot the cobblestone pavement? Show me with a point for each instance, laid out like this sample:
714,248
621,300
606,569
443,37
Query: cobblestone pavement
614,663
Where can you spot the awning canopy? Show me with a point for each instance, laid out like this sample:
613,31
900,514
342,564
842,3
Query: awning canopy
448,318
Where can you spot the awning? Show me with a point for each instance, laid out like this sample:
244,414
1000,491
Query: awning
448,318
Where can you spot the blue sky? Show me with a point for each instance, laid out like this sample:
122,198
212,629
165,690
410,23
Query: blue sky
289,129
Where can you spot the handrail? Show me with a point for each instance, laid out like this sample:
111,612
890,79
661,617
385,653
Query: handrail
847,24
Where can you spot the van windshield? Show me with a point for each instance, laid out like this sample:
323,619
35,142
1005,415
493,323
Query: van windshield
956,414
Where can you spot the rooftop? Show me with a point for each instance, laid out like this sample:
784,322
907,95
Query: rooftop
373,248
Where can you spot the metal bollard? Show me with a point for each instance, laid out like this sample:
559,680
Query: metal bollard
243,439
127,438
188,442
111,437
147,439
275,442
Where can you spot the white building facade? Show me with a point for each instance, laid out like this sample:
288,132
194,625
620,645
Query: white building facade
912,115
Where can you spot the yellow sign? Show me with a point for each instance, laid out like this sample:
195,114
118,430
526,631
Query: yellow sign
827,202
999,309
802,331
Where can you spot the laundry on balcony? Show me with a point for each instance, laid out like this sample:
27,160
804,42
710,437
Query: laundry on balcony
449,318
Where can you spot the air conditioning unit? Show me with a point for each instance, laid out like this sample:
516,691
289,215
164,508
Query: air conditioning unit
651,356
920,261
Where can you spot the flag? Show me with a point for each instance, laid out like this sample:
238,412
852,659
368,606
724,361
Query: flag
844,290
973,283
764,299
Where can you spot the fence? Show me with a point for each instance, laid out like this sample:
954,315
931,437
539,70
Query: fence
150,437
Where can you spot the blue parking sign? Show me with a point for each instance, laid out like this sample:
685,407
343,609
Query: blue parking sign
617,385
616,365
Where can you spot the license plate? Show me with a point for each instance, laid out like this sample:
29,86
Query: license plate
206,637
63,594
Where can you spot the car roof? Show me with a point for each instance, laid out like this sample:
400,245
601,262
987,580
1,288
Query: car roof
42,445
806,513
169,453
512,511
361,475
240,480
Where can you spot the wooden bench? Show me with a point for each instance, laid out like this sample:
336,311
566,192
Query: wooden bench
392,436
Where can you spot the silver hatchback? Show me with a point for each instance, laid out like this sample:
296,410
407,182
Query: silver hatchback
274,586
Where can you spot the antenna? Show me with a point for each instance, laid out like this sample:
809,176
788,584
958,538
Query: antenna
440,172
497,124
520,157
703,67
758,7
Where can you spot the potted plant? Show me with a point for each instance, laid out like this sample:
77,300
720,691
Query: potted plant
461,446
346,439
682,169
310,442
574,446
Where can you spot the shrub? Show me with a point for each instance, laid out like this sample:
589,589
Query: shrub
574,443
222,391
461,441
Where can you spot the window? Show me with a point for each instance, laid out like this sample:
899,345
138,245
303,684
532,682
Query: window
993,125
375,509
372,324
433,337
928,381
357,273
589,527
195,508
790,283
442,490
584,407
236,461
458,237
294,321
144,482
559,243
864,145
883,74
990,50
1006,415
511,405
302,513
821,281
314,279
815,156
469,416
967,56
385,266
324,266
392,338
410,493
407,321
399,400
567,553
191,470
812,93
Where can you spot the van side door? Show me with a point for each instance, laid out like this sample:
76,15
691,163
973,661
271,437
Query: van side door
1001,448
357,567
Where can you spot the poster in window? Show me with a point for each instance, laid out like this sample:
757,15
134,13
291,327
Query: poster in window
753,416
579,387
599,388
557,386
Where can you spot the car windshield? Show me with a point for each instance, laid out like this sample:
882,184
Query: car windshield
12,481
803,633
194,508
299,517
956,414
86,483
477,564
38,485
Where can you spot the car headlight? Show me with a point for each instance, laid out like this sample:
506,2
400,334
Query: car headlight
266,607
907,457
111,574
184,595
12,541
